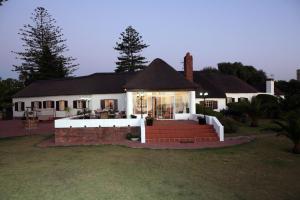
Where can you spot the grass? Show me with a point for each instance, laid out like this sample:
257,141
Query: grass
265,126
263,169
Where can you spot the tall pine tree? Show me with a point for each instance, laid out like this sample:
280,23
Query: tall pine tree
130,48
44,46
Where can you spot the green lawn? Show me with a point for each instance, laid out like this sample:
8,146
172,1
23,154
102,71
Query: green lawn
262,169
265,127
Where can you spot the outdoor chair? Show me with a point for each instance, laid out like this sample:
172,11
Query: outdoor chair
104,115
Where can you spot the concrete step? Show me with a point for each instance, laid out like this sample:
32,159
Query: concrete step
170,135
182,140
185,126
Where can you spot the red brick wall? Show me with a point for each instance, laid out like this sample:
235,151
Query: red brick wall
69,136
188,67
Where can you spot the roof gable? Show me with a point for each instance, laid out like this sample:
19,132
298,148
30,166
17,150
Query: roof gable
159,76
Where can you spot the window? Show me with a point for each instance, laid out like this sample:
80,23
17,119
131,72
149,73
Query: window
61,105
109,104
242,99
210,104
79,104
19,106
181,103
36,105
138,103
230,100
48,104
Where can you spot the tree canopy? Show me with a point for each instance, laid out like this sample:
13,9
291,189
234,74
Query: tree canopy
130,47
44,46
8,88
1,2
249,74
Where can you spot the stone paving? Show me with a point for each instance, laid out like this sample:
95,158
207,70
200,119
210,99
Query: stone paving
230,141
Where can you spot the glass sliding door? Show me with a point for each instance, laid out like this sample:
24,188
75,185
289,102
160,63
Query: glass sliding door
162,107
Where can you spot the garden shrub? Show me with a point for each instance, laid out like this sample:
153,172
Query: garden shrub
207,111
230,125
270,106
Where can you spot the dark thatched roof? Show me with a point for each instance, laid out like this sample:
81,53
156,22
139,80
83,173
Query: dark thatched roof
159,76
98,83
217,84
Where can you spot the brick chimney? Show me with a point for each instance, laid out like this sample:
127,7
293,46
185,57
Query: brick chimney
188,66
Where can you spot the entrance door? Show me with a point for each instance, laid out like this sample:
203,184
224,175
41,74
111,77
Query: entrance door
162,107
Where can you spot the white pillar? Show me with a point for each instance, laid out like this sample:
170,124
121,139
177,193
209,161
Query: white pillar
143,131
129,104
270,86
192,102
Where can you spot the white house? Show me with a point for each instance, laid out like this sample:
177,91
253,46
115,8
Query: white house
158,90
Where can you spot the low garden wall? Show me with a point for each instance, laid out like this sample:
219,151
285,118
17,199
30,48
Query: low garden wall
73,130
99,135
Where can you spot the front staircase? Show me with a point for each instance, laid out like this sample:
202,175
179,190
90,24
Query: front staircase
180,131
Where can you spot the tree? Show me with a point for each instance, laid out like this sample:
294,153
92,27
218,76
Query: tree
270,105
289,88
210,69
290,127
8,88
44,47
249,74
129,49
1,2
251,110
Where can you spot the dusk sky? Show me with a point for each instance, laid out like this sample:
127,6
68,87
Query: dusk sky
265,34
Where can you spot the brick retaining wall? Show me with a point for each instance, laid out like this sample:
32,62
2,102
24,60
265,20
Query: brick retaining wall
67,136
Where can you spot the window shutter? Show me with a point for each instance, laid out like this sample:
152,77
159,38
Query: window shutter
215,104
16,106
102,102
44,104
40,104
66,104
57,105
32,105
74,104
22,106
52,104
83,104
115,104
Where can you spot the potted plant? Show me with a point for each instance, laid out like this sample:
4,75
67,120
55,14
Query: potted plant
132,137
149,121
68,110
201,120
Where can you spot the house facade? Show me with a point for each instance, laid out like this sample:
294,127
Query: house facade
158,90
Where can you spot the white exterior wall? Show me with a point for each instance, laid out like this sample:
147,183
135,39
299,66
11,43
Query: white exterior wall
236,96
95,100
125,102
221,102
92,105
